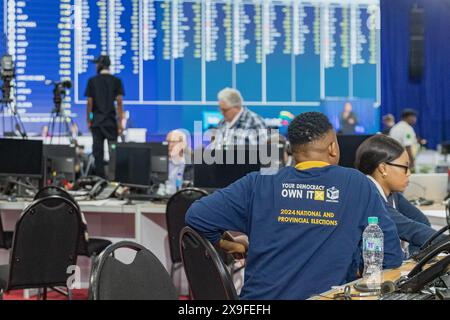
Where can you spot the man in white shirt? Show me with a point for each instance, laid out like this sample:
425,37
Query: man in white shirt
178,154
404,133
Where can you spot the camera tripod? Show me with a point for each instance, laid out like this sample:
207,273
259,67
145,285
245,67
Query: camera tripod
60,124
16,123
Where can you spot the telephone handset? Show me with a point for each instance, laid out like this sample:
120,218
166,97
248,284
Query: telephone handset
419,277
432,244
100,188
84,182
433,237
97,188
103,190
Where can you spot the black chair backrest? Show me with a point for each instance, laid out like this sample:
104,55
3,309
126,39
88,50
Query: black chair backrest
45,244
143,279
57,191
54,191
206,273
177,207
2,236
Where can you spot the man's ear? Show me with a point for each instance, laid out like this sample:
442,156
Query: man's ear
333,149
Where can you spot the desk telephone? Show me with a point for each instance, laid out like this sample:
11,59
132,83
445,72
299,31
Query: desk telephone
432,243
99,188
419,277
422,283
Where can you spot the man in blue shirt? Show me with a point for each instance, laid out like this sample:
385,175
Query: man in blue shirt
304,224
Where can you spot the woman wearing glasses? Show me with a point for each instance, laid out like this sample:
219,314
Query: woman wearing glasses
386,164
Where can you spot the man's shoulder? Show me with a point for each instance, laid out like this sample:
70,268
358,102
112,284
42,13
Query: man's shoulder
402,131
253,117
108,76
342,174
396,131
117,79
95,78
401,126
112,77
252,114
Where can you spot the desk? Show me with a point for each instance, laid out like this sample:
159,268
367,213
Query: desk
392,275
108,206
436,214
142,222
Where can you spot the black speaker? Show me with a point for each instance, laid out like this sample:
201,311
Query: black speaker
417,43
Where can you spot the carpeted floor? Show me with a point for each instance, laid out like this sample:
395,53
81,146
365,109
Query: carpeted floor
81,294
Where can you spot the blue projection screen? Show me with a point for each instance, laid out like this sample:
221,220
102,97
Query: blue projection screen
175,55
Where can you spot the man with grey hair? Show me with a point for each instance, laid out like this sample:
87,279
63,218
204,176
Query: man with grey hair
179,157
239,125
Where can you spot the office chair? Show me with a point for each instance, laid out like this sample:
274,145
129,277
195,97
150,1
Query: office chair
89,247
176,209
207,275
5,237
44,246
143,279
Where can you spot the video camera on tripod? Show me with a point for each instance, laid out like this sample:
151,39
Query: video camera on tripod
58,118
7,74
59,92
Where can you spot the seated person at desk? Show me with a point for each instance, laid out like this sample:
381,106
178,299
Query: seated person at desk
178,158
304,223
386,162
239,124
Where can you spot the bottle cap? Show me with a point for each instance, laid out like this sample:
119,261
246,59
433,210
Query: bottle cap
373,220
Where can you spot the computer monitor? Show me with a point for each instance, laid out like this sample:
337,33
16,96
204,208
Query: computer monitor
59,162
159,162
348,144
220,175
133,164
21,158
211,119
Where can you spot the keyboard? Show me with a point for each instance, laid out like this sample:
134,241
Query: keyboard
408,296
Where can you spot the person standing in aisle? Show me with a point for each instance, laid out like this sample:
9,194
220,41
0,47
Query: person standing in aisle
104,93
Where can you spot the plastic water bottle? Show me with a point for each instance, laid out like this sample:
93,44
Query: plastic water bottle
373,253
405,249
179,181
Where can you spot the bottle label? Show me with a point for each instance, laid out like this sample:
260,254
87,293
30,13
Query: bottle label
373,244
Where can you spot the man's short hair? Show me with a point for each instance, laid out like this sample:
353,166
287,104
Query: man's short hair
178,133
308,127
231,97
408,112
388,116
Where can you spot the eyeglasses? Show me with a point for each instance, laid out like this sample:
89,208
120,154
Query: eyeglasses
399,166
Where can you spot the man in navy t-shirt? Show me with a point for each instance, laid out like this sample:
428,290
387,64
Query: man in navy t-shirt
304,224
